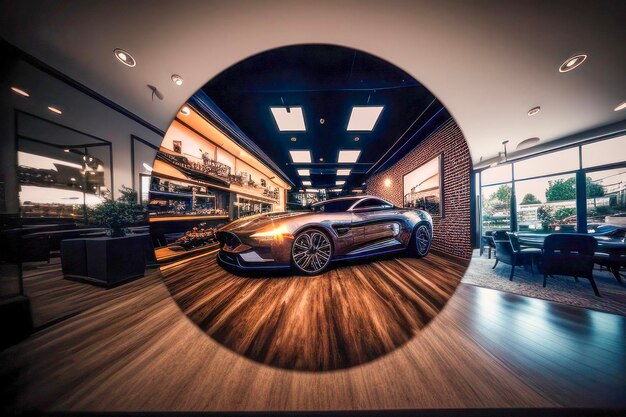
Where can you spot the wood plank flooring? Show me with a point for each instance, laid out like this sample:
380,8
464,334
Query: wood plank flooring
137,351
349,315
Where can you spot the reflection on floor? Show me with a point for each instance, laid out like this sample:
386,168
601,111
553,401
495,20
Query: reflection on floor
559,288
351,314
131,348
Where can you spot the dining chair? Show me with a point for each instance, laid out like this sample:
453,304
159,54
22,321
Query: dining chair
508,254
569,254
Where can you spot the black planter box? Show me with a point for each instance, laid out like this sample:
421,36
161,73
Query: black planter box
104,261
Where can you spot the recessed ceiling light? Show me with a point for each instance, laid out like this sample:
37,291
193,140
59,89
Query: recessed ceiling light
343,172
304,172
293,139
66,150
306,182
185,111
572,62
20,91
356,139
289,119
620,107
342,182
350,156
335,190
534,111
321,159
300,157
312,190
72,179
364,118
177,79
54,110
527,143
124,57
322,121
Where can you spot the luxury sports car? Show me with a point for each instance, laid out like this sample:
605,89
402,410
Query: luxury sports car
342,228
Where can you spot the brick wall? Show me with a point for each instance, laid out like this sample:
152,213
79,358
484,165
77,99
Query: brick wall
452,232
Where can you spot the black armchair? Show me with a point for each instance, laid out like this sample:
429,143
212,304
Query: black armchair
613,261
569,254
510,253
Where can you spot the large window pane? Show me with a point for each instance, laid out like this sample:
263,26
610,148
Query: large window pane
550,163
546,205
604,152
606,198
496,207
498,174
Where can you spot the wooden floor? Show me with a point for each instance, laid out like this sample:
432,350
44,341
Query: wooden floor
135,350
350,315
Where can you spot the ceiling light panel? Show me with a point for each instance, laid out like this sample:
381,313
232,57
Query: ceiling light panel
306,183
20,91
343,172
300,157
304,172
350,156
364,118
124,57
289,119
342,182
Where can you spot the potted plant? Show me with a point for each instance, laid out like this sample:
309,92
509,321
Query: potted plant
116,258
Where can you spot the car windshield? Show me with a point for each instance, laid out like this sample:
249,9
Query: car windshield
335,206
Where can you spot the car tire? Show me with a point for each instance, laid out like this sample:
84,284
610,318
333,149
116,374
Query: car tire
311,252
421,240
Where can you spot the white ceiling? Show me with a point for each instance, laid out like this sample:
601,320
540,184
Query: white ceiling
489,62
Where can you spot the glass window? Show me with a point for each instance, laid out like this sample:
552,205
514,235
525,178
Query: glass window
606,199
495,175
546,205
335,206
604,152
551,163
373,203
496,207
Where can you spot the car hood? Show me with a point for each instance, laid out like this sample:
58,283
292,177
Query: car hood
257,222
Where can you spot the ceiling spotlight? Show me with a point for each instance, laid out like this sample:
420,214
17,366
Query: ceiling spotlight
293,139
54,110
620,107
356,139
177,79
66,150
572,62
20,91
322,121
527,143
124,57
185,111
534,111
321,159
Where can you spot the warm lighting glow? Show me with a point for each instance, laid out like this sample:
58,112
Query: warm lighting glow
177,79
387,182
348,156
54,110
289,119
20,91
304,172
343,172
185,111
275,233
300,157
125,57
620,107
364,118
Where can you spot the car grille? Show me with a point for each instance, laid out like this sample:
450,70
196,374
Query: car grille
228,238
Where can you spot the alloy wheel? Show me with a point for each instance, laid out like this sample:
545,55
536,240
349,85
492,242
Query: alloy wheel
311,252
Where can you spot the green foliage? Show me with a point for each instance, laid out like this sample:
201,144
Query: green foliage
564,212
503,194
560,190
530,199
117,214
546,215
593,189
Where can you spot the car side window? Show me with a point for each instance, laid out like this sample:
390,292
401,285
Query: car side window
372,203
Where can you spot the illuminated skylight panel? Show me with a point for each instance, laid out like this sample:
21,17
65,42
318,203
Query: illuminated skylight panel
289,119
364,118
348,156
304,172
300,157
343,172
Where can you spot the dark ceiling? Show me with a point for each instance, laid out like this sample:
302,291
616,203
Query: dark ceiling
327,81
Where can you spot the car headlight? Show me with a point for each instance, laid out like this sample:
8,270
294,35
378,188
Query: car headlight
279,232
